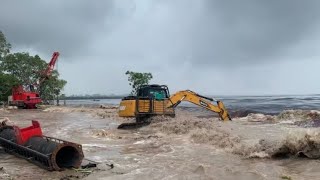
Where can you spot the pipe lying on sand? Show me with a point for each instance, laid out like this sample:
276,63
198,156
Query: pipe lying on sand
47,152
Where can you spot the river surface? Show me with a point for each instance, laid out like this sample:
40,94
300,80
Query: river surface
268,138
238,104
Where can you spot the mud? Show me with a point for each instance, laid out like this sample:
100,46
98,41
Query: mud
190,146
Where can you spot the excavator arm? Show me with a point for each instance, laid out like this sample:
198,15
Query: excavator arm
199,100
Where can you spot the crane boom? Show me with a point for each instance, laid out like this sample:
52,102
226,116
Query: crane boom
51,64
47,72
199,100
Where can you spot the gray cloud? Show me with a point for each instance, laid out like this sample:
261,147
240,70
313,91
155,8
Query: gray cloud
255,30
187,44
213,33
65,26
200,31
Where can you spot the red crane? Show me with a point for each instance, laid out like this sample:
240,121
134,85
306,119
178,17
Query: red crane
29,98
47,72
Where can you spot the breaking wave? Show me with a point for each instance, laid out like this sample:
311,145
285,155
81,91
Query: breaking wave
297,143
101,112
181,124
289,116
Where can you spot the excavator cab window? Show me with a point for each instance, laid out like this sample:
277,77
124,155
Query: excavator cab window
158,94
155,92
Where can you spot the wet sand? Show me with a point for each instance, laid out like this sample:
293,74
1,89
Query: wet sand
194,145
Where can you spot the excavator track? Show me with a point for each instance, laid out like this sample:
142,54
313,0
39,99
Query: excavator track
134,125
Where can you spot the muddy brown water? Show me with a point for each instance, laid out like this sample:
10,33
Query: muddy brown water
186,147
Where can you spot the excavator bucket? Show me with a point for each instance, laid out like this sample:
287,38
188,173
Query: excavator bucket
224,115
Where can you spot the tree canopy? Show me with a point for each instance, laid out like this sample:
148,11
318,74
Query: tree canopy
137,79
52,86
22,68
6,83
4,45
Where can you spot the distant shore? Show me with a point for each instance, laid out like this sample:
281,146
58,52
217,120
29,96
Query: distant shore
91,97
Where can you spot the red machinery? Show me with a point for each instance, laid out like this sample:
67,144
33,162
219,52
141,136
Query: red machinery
47,152
27,97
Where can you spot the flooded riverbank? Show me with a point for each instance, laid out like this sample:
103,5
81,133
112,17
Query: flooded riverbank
190,146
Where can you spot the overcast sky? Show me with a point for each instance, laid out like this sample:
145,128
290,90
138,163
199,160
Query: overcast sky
215,47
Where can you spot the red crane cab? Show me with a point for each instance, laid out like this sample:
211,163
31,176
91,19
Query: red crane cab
23,98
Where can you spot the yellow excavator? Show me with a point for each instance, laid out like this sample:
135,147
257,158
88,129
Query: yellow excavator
152,100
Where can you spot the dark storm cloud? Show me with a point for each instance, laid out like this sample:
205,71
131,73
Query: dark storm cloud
205,32
67,26
253,30
214,33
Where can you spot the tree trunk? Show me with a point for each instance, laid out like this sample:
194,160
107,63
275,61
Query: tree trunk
58,100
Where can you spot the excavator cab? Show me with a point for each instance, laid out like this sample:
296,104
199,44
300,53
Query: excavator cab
150,100
157,92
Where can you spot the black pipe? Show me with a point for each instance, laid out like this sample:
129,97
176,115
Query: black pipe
62,155
48,152
7,132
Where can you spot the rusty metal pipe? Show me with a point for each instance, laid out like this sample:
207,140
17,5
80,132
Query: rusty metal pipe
47,152
62,154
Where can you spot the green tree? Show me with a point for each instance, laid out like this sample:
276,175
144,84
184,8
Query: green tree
4,46
51,88
28,70
137,79
6,83
21,68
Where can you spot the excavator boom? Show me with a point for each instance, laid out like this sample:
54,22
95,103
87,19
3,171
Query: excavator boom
199,100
